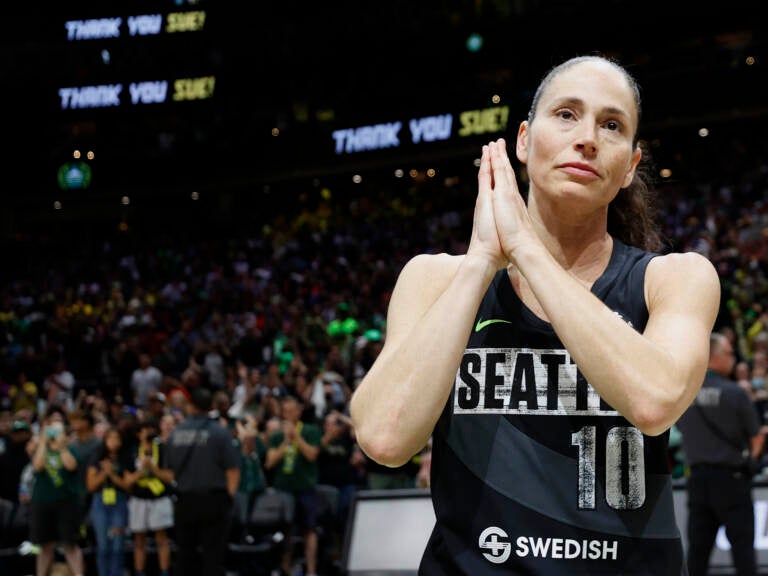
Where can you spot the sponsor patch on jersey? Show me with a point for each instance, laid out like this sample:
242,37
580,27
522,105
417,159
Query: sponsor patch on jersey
496,546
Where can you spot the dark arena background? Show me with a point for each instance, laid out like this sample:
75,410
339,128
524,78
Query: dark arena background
174,165
248,108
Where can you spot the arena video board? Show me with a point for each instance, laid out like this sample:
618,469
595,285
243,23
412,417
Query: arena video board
415,131
105,33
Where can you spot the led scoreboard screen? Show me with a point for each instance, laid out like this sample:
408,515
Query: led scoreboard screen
138,84
140,58
190,88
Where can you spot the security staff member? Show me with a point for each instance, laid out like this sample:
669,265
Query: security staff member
721,435
206,467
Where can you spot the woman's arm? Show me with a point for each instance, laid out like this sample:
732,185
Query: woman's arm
433,306
309,451
123,481
94,478
38,459
68,460
398,402
650,378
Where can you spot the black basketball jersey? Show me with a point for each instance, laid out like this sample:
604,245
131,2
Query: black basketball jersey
532,472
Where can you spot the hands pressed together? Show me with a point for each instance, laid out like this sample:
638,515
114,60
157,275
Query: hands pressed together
501,222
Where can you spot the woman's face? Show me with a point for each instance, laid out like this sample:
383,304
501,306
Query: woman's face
113,441
167,423
579,146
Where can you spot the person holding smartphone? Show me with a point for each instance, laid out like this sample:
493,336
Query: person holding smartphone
55,500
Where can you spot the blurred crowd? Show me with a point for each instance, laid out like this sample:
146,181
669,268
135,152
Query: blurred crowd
114,333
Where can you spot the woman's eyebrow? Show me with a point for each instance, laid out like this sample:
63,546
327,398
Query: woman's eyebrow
575,101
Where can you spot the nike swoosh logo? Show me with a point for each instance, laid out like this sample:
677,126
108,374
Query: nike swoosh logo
483,323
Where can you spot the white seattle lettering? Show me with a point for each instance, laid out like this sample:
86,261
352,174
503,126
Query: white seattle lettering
524,381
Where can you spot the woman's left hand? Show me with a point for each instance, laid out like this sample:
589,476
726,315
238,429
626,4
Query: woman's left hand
513,224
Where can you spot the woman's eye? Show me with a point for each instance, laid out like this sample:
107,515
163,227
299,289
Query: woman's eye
565,114
613,125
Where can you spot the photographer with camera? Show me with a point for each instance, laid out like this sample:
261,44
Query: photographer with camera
55,502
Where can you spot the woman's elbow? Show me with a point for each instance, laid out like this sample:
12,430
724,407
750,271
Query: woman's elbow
654,420
387,452
383,436
654,428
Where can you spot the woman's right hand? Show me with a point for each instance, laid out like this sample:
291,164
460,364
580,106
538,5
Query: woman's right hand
484,242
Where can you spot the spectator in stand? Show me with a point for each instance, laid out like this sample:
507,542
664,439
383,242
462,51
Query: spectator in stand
109,478
55,501
87,444
293,453
145,380
13,460
253,453
150,508
166,425
59,386
329,392
743,376
156,406
221,405
271,384
182,344
23,394
215,358
244,394
125,357
27,478
115,408
250,346
334,464
759,382
296,377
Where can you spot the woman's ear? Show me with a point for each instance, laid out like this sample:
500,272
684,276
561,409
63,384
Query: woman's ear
636,156
521,147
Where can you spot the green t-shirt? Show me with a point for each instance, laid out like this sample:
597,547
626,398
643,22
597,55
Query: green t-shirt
295,473
252,479
54,482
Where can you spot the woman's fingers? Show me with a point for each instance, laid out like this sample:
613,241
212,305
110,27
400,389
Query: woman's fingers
484,174
501,166
499,163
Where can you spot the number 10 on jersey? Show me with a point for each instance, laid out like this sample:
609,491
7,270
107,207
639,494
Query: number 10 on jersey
624,467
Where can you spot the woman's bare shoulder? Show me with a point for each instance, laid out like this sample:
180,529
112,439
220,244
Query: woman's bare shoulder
684,264
685,278
435,267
